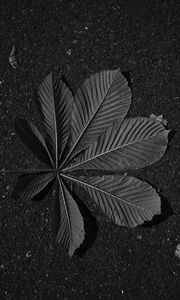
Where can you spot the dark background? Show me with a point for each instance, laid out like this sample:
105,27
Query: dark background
79,38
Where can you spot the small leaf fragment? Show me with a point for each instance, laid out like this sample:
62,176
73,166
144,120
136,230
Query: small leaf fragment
160,119
12,58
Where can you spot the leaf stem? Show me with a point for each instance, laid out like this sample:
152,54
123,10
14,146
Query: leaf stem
27,171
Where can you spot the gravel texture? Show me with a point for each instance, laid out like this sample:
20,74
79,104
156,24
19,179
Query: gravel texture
79,38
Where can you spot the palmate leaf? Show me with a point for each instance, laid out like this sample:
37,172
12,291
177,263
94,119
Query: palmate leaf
91,135
128,201
30,185
54,107
69,226
103,99
130,145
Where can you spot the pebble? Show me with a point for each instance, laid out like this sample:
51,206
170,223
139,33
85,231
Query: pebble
28,254
177,251
68,51
2,267
139,237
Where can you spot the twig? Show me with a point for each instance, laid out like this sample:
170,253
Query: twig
28,171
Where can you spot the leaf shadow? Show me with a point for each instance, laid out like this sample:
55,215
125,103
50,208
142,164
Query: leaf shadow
90,226
166,211
171,135
127,75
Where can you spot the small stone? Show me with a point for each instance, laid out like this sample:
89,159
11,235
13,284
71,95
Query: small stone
139,237
3,171
68,51
177,251
2,267
28,254
7,188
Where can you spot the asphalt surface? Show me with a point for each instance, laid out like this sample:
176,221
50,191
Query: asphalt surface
79,38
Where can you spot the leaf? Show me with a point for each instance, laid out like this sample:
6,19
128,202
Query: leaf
46,192
29,185
12,58
92,135
71,227
130,145
54,107
103,99
33,139
128,201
